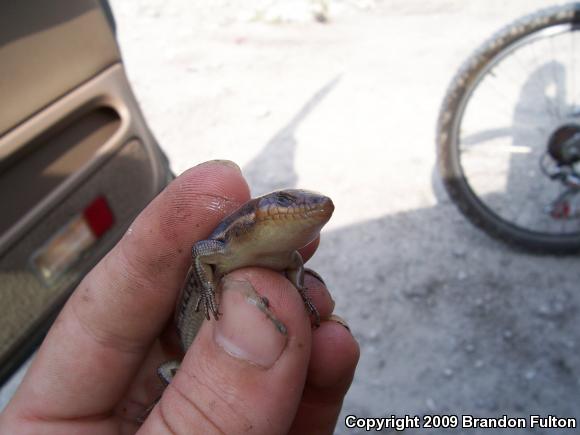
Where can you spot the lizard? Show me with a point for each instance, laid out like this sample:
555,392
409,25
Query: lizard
266,231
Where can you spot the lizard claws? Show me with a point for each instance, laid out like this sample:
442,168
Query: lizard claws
310,305
209,305
314,311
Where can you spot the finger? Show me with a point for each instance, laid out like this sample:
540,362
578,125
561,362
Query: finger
319,294
308,250
147,386
106,328
245,372
333,360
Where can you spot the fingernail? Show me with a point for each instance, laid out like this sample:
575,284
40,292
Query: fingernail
319,278
248,330
224,162
339,320
314,275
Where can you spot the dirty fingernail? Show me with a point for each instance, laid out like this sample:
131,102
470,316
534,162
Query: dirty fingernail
339,320
248,330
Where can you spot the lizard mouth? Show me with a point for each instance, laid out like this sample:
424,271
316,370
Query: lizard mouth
295,205
323,208
318,210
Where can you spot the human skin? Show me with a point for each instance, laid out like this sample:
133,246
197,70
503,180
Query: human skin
95,371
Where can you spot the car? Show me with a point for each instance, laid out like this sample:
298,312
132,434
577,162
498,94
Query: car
77,160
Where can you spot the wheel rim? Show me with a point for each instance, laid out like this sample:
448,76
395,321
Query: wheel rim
504,122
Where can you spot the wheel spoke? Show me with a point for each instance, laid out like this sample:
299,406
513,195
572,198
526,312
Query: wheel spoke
521,90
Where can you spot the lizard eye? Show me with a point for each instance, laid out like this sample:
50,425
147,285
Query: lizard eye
284,200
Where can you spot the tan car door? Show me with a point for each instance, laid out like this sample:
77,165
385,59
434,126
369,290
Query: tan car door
77,161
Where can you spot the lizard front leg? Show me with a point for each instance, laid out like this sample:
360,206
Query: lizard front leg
200,278
204,254
295,273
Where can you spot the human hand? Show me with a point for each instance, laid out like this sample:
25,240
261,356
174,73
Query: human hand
95,372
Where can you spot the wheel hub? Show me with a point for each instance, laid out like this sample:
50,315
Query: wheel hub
564,144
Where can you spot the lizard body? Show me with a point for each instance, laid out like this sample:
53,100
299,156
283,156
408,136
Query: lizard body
266,231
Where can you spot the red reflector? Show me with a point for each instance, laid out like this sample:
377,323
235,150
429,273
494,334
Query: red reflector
99,216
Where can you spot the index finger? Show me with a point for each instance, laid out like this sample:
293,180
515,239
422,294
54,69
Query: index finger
91,353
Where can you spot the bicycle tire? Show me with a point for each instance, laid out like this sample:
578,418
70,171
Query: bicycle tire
454,102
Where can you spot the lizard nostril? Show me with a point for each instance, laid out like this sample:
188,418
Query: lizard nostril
327,204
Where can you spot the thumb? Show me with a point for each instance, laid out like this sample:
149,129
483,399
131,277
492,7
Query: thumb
246,372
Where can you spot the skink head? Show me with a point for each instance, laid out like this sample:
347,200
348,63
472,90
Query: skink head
290,219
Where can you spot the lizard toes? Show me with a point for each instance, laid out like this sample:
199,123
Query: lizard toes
215,312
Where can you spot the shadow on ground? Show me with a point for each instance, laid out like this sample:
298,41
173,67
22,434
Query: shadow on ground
449,321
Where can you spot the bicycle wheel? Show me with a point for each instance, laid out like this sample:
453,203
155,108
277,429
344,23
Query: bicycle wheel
517,94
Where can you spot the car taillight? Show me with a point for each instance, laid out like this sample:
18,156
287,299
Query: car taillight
71,241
